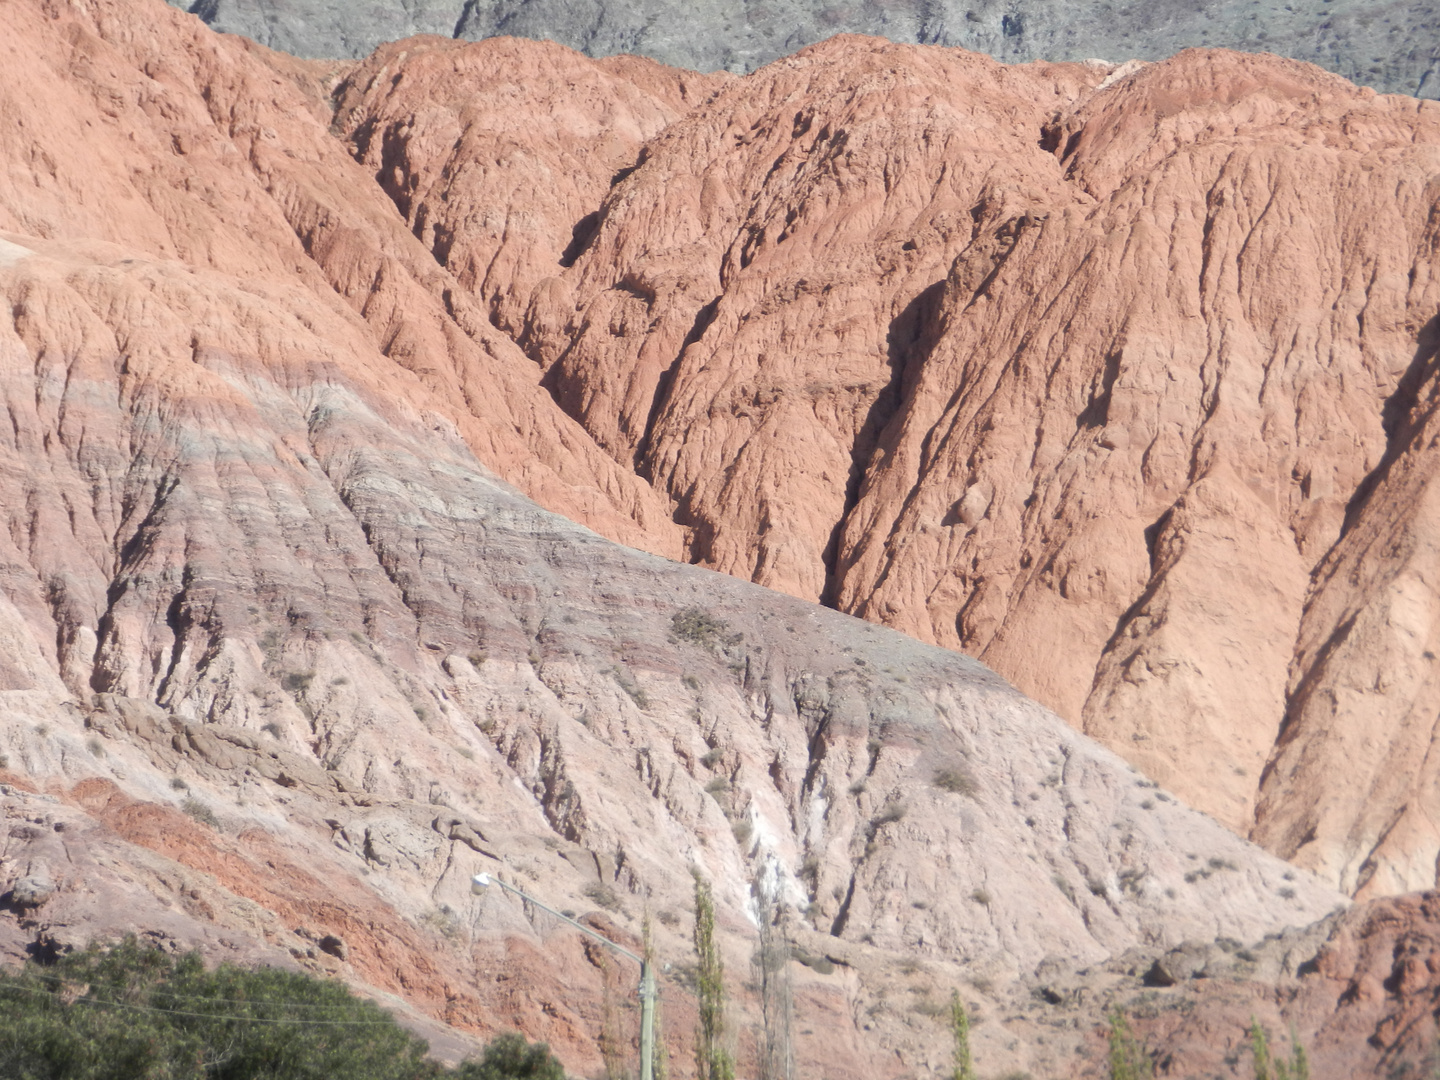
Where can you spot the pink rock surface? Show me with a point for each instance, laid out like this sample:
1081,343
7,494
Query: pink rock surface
257,568
177,144
1074,369
1348,791
498,153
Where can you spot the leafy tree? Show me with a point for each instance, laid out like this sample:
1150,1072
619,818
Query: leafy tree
128,1012
712,1059
960,1030
777,1005
1269,1067
510,1057
133,1013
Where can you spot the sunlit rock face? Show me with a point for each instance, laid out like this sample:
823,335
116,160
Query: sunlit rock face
289,652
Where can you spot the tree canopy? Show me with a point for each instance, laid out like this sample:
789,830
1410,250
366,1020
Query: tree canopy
130,1012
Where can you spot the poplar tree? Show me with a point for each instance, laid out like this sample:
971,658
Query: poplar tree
659,1056
712,1059
960,1029
772,960
1270,1067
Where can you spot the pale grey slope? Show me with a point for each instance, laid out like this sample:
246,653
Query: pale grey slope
1392,45
327,28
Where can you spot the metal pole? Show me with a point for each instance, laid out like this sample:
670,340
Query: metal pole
647,972
647,1021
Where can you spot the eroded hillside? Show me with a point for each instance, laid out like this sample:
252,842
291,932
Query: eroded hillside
1087,373
287,653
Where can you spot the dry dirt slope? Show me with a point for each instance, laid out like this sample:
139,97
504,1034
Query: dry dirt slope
382,671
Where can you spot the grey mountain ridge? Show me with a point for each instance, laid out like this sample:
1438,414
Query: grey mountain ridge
1391,45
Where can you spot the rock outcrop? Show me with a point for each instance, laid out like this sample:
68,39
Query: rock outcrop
499,154
1388,44
1120,379
1348,791
286,661
1357,992
1088,372
1145,416
287,208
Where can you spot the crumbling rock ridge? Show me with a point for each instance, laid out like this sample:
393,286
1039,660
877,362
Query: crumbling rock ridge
1030,361
1391,45
1117,379
285,659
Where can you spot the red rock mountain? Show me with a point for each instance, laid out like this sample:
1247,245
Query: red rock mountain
1097,377
1121,381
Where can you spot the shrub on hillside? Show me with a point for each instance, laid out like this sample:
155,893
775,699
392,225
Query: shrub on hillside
699,627
128,1012
510,1057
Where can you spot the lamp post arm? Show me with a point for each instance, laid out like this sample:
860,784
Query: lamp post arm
578,926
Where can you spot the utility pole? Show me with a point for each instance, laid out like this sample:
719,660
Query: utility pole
647,973
647,1020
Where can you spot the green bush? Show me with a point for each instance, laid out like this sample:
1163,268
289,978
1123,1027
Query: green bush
297,682
1128,1059
132,1013
699,627
603,895
630,686
200,812
127,1012
510,1057
890,813
957,782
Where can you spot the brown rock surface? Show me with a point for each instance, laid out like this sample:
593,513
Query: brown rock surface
1074,369
498,153
290,664
1361,1004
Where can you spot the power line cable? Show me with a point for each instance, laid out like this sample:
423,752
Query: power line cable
198,1015
176,993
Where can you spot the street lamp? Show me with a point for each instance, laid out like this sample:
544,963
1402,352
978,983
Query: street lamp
480,882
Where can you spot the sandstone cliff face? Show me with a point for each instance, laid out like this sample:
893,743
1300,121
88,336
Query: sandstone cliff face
285,662
498,154
1075,369
1348,790
1143,428
739,324
1388,44
273,199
